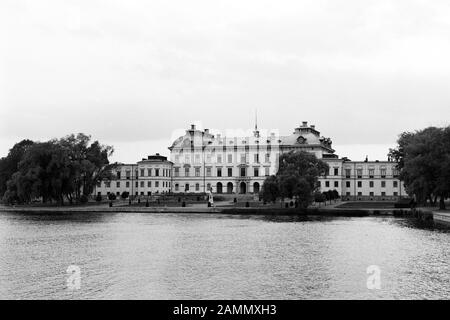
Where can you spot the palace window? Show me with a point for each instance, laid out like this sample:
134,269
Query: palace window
127,184
149,172
208,158
230,172
395,172
197,158
327,184
197,172
243,172
219,172
383,173
156,184
177,159
208,172
359,173
267,158
186,172
256,158
136,184
230,158
186,187
267,171
243,158
383,184
359,184
336,171
149,184
186,158
219,158
142,172
128,174
348,173
118,184
156,172
197,187
347,184
118,175
371,173
395,183
142,184
256,172
371,184
176,171
336,184
176,186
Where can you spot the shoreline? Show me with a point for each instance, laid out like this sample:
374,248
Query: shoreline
343,212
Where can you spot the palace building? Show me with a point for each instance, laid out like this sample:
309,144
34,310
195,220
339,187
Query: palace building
201,161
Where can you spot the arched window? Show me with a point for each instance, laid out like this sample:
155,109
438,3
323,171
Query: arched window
229,187
219,187
256,187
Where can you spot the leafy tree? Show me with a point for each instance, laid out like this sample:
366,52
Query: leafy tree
270,190
125,195
297,178
9,164
424,162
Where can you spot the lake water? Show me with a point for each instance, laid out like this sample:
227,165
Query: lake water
199,256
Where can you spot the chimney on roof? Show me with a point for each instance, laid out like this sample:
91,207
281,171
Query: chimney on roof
157,154
192,126
304,123
206,130
313,127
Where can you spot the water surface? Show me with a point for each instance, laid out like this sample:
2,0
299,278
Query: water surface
200,256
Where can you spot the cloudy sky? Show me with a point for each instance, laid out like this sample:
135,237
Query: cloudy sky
131,73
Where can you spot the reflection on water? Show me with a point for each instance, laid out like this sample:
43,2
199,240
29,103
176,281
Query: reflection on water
195,256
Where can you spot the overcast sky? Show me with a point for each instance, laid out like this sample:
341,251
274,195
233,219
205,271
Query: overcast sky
130,73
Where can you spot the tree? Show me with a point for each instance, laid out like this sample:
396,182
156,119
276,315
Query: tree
297,178
270,191
9,164
424,162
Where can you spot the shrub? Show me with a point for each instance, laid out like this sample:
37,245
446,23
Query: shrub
98,198
125,195
112,196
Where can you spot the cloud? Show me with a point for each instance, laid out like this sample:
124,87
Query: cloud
362,71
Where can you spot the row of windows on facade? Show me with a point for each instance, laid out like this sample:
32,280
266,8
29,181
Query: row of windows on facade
372,194
244,158
219,172
360,184
150,173
359,172
219,187
164,184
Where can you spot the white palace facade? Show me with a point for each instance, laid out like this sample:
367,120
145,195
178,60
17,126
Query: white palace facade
201,161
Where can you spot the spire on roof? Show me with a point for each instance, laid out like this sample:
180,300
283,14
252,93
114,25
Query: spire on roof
256,132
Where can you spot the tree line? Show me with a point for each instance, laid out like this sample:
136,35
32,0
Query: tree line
54,171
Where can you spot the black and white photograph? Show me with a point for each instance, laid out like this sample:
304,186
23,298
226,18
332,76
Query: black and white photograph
246,152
